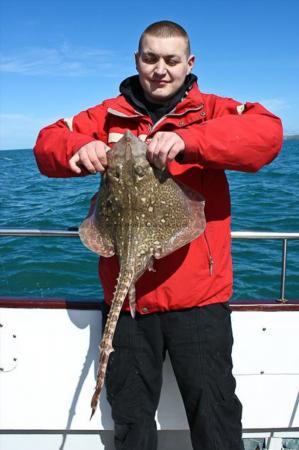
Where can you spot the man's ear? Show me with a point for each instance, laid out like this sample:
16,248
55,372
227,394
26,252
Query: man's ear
136,55
191,62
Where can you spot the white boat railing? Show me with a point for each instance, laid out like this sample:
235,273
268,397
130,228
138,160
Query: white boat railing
73,232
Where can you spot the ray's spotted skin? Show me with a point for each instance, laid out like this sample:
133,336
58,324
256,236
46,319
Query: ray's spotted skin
141,213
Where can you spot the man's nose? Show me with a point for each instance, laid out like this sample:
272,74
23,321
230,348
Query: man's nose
160,68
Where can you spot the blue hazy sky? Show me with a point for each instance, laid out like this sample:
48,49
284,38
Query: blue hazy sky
60,57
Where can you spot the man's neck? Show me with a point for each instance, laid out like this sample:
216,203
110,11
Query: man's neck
136,96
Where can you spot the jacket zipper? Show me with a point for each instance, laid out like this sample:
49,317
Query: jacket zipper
210,257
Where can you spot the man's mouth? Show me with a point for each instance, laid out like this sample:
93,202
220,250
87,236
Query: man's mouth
161,82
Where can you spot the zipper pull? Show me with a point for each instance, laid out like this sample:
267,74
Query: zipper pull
211,263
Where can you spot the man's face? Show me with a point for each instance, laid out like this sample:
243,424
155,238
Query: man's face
162,64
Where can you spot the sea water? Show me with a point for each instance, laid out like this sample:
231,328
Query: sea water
63,268
47,267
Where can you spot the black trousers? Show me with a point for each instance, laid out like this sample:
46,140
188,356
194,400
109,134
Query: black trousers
199,342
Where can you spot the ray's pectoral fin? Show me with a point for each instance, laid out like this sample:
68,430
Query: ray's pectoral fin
189,225
95,238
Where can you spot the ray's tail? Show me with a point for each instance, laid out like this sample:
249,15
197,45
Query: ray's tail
124,282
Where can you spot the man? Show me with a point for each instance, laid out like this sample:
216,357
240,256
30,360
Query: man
182,307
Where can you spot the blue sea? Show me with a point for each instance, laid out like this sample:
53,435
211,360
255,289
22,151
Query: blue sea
64,268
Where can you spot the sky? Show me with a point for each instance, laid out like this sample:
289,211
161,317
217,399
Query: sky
61,57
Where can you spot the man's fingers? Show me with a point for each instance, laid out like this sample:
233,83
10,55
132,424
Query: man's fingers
159,149
174,151
164,147
73,163
160,157
97,161
151,148
102,156
92,156
85,160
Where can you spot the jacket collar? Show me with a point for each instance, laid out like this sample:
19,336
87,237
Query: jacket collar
192,101
134,94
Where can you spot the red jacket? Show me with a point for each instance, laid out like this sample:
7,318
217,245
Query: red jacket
219,133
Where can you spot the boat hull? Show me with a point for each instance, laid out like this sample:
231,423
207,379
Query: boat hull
48,362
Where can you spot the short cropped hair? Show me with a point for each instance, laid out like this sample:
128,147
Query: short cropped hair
165,29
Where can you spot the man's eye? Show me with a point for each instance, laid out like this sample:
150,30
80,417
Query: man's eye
172,62
149,59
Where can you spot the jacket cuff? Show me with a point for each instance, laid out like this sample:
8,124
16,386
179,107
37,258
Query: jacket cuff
191,154
76,141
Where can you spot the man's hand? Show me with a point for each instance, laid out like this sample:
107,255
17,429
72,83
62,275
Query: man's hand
92,156
164,147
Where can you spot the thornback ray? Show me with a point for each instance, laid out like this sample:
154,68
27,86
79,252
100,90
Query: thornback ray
141,214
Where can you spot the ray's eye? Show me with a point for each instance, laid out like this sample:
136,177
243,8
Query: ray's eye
115,173
139,171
